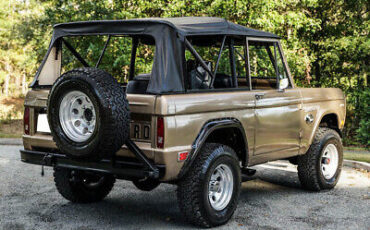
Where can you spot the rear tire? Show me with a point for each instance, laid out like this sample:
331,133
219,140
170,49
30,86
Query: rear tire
208,194
81,186
321,166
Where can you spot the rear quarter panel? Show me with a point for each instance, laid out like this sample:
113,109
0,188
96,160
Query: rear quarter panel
320,102
186,114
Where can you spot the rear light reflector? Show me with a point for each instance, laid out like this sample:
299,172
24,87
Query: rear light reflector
160,132
182,156
26,120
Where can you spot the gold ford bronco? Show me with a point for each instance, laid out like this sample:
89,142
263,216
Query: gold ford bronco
189,101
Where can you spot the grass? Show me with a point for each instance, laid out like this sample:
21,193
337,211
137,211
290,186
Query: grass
365,157
355,148
10,135
11,128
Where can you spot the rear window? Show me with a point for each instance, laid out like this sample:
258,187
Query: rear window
115,58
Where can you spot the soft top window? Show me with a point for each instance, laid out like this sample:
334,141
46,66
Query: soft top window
115,58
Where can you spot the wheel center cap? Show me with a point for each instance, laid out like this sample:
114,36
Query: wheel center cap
326,160
214,186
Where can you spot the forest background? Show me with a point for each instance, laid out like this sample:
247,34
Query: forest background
326,43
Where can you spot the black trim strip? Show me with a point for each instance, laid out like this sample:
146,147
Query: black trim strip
135,43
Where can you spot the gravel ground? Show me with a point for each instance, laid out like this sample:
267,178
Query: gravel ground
272,200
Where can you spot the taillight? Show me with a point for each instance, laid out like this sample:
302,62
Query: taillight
160,132
26,120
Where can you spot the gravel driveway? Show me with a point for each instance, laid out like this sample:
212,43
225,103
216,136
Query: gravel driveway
272,200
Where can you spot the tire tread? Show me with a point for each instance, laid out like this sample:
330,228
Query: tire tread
307,170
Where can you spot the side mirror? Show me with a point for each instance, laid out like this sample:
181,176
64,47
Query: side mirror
283,83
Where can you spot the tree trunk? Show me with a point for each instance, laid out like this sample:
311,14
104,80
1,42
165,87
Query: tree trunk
7,79
18,84
6,85
24,84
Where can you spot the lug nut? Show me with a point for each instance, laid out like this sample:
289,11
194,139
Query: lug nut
77,123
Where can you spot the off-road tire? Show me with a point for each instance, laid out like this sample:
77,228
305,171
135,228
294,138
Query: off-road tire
309,171
192,192
147,184
76,192
112,113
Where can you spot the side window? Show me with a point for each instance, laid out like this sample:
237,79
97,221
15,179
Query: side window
199,78
281,67
116,59
240,67
263,75
224,65
144,58
262,62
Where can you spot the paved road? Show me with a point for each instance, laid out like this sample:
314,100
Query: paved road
273,200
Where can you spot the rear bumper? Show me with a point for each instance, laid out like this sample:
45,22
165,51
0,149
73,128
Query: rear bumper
123,168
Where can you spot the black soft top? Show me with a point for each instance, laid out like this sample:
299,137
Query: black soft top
169,34
185,26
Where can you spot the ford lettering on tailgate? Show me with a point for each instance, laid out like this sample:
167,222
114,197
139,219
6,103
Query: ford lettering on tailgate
140,131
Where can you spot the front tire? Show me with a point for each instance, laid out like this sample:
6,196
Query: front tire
82,186
321,166
208,194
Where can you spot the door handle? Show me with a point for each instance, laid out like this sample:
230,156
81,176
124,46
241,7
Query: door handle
259,95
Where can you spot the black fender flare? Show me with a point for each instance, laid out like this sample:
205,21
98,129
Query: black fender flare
204,133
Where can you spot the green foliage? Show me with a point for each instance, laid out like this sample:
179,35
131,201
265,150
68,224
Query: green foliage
364,125
326,42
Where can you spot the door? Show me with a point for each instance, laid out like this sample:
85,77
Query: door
277,102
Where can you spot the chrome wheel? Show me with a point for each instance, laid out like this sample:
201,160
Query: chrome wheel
220,187
77,116
329,161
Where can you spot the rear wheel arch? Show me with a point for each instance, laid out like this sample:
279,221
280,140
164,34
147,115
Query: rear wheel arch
330,120
233,137
211,132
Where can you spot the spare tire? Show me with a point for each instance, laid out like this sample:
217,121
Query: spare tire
88,114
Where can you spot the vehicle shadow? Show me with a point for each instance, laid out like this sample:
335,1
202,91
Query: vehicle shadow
279,175
129,207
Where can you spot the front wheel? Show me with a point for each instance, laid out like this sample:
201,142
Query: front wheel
321,166
208,194
82,186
